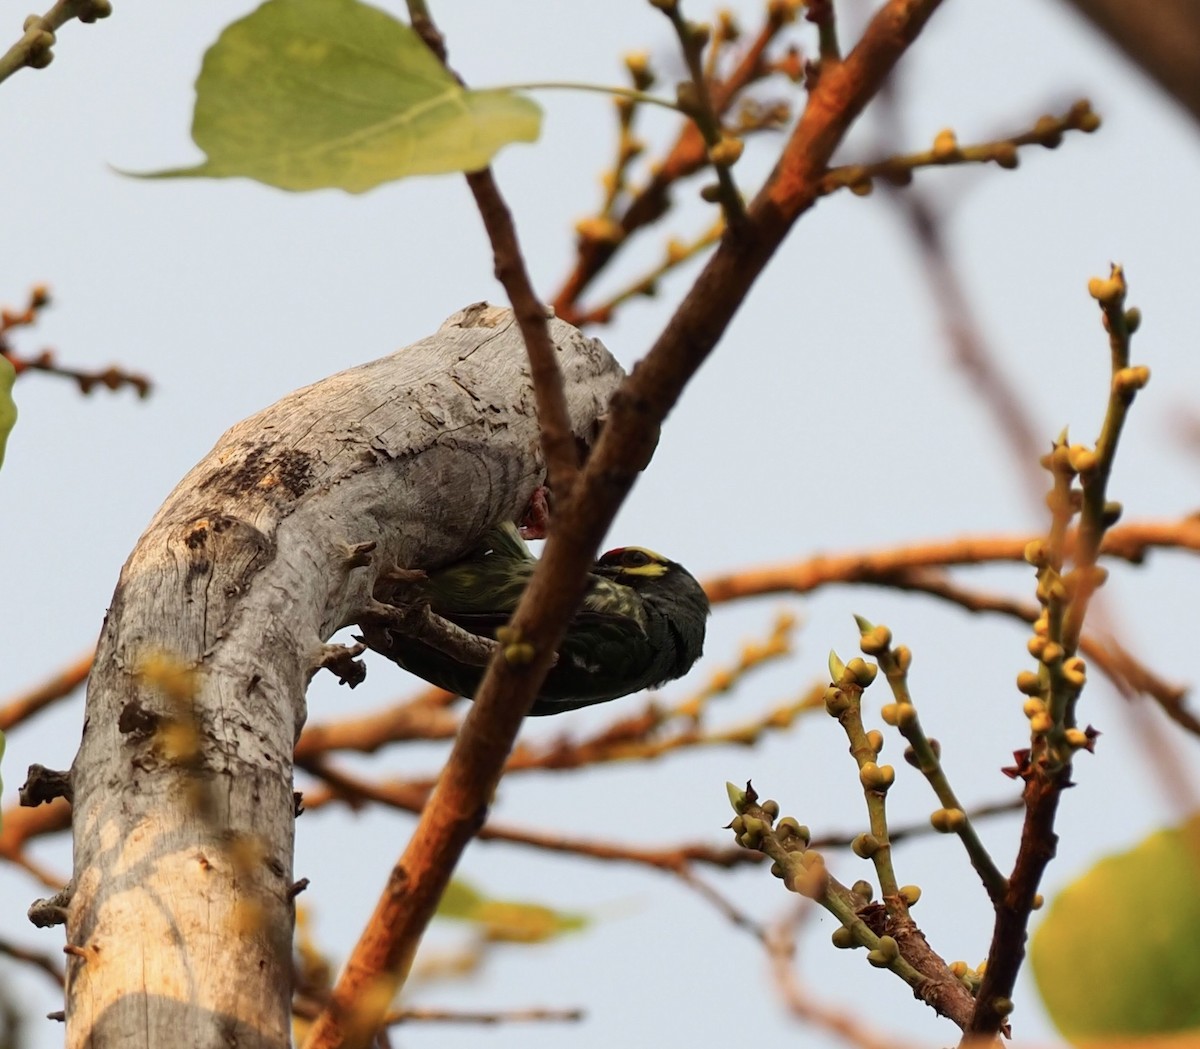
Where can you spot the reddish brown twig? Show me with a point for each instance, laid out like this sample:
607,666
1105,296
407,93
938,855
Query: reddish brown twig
59,686
384,954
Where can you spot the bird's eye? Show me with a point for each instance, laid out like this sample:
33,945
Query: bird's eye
635,559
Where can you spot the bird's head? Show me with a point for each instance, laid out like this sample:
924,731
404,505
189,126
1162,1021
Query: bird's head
634,566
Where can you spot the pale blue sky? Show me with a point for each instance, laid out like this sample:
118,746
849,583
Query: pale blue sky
827,420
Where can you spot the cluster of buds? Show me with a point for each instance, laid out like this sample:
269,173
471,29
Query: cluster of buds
757,826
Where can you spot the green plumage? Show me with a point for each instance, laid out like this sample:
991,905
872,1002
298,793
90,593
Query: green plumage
641,622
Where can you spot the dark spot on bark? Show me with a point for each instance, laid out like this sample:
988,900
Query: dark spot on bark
198,536
196,568
266,469
137,720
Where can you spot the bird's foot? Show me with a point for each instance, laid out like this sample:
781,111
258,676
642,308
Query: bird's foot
379,621
535,523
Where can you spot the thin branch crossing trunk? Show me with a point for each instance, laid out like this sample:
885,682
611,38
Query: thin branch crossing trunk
179,923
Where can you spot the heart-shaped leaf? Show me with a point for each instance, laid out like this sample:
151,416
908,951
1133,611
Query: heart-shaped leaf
310,94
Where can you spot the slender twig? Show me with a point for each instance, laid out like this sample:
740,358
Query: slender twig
945,151
843,700
891,938
61,685
558,442
384,953
926,756
695,99
686,155
1125,671
34,47
676,254
504,1016
725,906
45,962
630,93
807,1006
1054,689
1131,542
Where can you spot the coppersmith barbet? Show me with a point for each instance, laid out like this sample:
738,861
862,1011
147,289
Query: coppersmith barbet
641,622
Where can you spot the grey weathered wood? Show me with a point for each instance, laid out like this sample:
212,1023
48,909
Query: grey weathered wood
183,807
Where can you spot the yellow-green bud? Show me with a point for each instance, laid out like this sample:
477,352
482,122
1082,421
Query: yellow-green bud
864,846
875,640
711,193
948,821
837,669
1033,707
1133,319
836,701
520,653
1028,683
863,889
752,836
727,152
777,869
1052,652
875,740
1041,723
789,828
890,713
770,808
1083,460
1003,1006
911,894
1129,380
945,145
903,658
1075,671
599,229
1107,292
1036,646
844,939
1038,901
1037,552
1077,739
864,672
737,797
876,777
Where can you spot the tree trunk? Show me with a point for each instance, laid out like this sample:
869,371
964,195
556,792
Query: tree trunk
180,921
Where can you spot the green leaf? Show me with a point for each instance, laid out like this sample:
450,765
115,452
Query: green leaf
507,921
1118,954
8,413
310,94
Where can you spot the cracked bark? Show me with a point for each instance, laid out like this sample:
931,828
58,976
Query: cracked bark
181,915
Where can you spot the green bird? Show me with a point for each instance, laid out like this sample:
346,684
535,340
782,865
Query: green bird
641,622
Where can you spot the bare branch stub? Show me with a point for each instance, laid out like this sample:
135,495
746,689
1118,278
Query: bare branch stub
43,785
